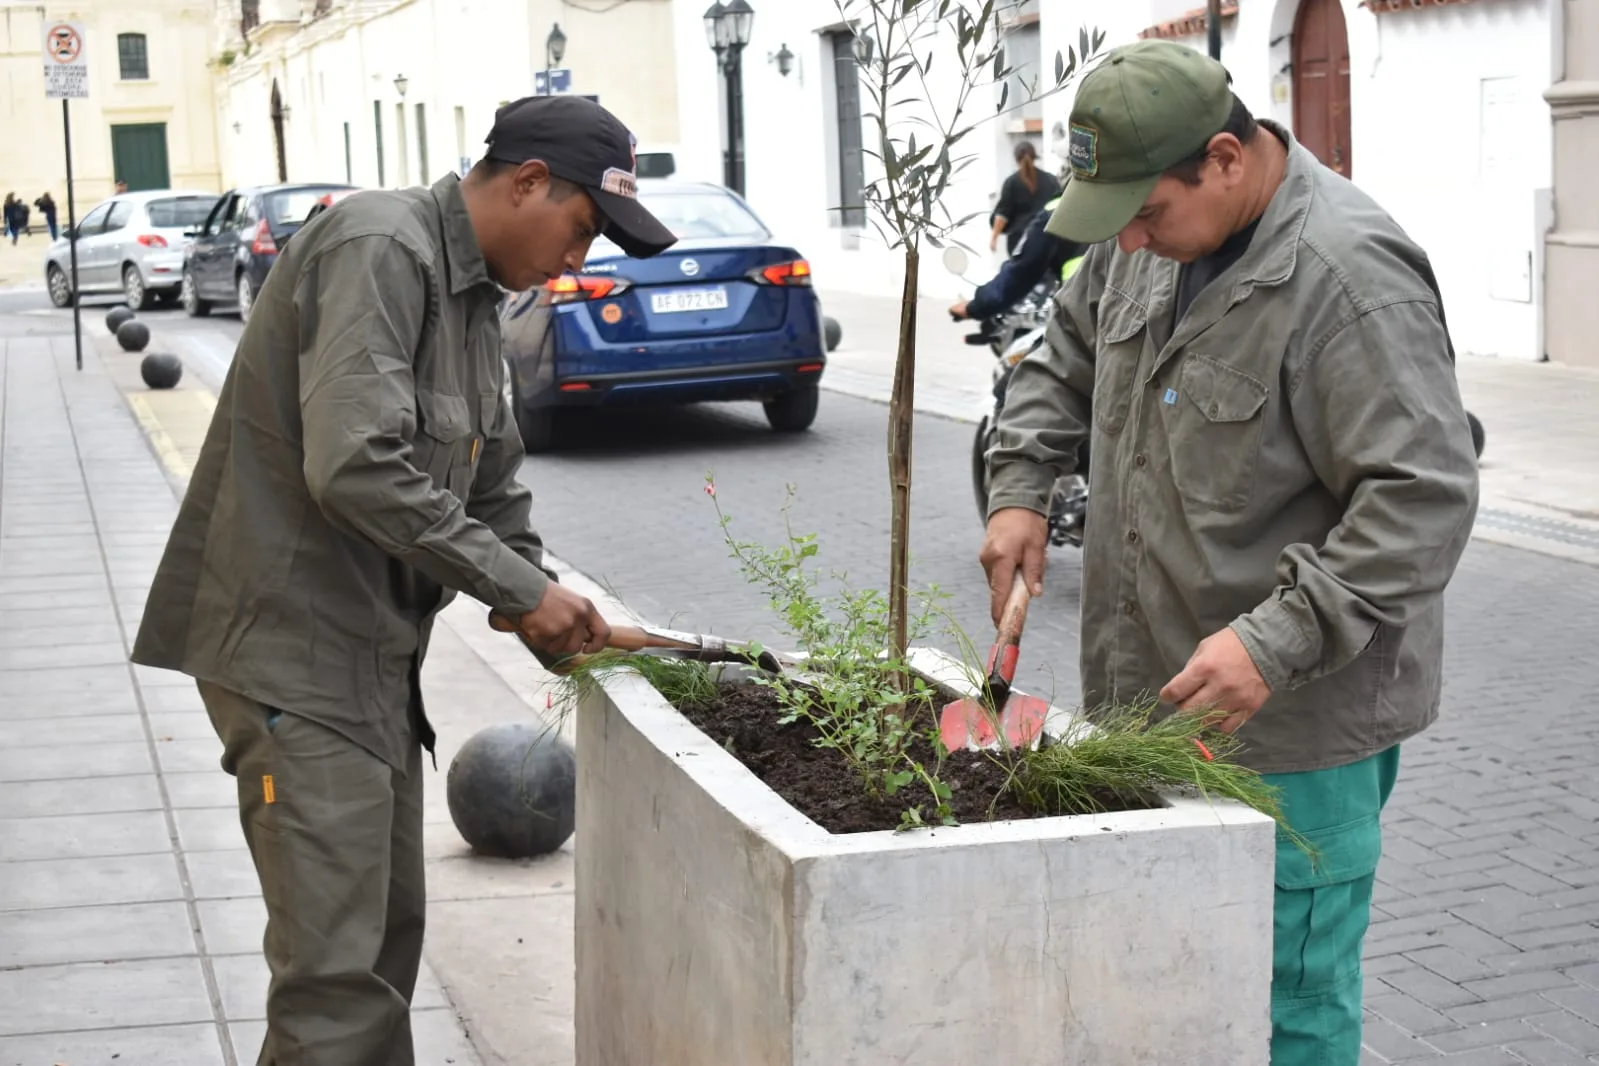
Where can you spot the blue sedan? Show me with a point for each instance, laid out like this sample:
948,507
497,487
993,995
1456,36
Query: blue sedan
725,314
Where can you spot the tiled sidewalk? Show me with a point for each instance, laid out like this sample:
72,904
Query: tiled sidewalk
130,923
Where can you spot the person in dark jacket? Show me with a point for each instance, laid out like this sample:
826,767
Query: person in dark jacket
1042,255
1020,198
47,207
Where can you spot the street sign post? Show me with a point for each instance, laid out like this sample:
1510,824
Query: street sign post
66,77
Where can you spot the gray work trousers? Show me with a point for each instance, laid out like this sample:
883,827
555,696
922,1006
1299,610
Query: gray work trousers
336,835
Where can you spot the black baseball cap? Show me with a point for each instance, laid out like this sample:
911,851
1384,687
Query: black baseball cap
584,144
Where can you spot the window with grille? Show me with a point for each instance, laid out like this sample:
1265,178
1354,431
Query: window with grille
249,15
133,54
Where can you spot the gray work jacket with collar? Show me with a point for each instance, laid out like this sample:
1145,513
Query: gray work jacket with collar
361,468
1291,459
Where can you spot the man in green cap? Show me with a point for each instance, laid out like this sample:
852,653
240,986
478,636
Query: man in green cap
1283,479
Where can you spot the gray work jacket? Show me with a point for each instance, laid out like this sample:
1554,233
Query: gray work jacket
360,470
1292,459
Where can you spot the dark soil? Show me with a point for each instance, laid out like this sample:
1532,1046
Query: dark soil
821,783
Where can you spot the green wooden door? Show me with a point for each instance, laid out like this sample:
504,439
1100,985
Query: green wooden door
139,155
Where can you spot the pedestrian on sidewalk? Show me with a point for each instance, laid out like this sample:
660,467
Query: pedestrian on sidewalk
47,207
1022,196
15,216
1283,480
360,470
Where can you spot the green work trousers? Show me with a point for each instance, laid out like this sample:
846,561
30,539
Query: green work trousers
336,835
1323,907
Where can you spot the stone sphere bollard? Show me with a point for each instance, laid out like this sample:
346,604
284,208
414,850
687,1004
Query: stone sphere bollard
832,332
161,370
133,335
512,790
116,316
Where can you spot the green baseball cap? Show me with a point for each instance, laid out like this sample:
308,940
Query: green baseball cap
1145,108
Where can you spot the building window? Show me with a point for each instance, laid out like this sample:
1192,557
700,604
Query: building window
134,55
377,128
322,7
847,105
249,15
422,143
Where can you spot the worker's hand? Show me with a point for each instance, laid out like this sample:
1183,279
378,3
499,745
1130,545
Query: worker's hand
1221,683
993,243
1016,537
958,311
565,623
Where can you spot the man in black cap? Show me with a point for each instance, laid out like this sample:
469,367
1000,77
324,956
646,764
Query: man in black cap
361,470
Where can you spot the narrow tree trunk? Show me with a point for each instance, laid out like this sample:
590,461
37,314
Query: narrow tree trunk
901,412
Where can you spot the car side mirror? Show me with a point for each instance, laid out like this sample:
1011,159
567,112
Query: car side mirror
191,233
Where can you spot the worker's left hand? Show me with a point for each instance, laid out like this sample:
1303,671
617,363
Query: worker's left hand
1221,683
958,311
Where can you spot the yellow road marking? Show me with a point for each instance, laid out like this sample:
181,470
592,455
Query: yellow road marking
176,423
165,448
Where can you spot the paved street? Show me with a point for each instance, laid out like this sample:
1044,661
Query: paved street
1486,945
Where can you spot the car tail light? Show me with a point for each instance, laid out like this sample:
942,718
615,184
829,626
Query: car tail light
263,243
796,273
152,240
575,288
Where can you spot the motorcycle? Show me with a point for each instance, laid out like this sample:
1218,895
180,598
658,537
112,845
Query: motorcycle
1011,335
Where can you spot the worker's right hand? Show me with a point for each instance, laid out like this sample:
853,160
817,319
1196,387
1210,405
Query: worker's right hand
565,624
1016,537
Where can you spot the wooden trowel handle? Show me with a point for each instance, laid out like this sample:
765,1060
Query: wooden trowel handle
1007,642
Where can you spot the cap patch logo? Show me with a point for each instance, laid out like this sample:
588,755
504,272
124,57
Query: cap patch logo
619,182
1082,150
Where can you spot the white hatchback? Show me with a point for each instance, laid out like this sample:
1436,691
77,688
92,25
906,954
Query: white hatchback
131,244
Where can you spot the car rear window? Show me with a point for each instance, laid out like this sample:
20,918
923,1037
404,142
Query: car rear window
180,212
695,214
290,206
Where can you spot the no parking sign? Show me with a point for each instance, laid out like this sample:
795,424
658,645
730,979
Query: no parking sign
66,64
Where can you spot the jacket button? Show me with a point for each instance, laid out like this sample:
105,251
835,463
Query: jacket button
1139,460
1130,608
1132,536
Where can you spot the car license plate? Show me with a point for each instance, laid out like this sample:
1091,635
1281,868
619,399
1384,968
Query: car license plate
667,303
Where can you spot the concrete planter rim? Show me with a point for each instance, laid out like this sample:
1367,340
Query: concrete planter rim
737,789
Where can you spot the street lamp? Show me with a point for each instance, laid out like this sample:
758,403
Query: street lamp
554,52
401,83
727,31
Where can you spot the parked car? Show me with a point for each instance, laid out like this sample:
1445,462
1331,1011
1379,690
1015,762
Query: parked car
131,244
238,242
725,314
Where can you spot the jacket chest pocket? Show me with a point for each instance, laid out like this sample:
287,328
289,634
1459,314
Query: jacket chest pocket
447,441
1214,425
1122,332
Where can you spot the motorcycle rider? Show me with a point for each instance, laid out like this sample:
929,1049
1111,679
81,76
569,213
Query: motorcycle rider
1041,255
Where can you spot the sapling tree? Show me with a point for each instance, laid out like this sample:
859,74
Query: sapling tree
919,120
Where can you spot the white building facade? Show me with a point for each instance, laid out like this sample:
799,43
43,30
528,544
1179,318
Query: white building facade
392,93
149,118
1436,107
807,138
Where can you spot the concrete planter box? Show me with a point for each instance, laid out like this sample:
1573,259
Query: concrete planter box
718,926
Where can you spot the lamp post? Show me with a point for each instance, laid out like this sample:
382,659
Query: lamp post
727,31
1213,28
554,52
